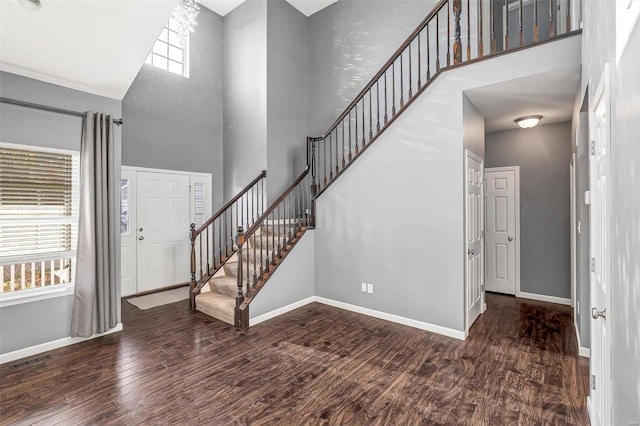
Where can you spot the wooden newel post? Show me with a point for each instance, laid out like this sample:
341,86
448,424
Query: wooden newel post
241,317
314,186
193,283
457,43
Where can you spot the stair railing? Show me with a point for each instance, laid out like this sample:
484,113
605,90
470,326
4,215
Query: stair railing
264,245
213,243
434,46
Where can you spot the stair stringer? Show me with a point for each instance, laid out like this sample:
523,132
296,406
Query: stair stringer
395,217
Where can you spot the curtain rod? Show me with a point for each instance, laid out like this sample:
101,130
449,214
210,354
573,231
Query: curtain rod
49,108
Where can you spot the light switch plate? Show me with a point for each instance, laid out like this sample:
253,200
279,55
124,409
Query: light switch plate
370,288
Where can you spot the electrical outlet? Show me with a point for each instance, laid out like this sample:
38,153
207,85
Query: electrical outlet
364,287
370,288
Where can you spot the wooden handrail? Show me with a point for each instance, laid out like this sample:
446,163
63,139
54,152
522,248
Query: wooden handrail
436,9
220,212
275,204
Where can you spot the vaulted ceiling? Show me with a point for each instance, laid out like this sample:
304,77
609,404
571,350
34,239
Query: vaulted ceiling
96,46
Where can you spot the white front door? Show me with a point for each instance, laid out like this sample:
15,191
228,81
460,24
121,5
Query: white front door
501,191
600,258
473,249
162,230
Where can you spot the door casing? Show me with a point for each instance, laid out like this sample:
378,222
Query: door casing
130,172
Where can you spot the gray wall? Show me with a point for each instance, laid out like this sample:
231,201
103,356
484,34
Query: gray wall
47,320
473,133
395,217
287,81
173,122
543,154
293,280
349,42
245,95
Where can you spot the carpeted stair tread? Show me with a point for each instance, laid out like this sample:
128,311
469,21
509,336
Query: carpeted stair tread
231,269
225,285
217,305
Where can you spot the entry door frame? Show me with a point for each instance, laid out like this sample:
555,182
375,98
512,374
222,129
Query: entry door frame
131,173
516,171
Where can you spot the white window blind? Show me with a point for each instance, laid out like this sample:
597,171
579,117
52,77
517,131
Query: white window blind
38,215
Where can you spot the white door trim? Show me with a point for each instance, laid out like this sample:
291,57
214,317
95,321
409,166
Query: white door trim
516,171
573,224
164,171
207,178
470,154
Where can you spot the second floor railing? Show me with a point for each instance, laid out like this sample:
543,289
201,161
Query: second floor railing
455,32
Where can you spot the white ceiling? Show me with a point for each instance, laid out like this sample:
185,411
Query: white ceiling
307,7
551,95
85,45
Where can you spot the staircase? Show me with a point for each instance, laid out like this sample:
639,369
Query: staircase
237,250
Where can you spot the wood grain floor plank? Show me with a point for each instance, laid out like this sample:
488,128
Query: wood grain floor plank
316,365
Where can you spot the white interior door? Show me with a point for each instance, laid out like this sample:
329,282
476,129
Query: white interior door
600,258
501,231
162,230
128,240
474,223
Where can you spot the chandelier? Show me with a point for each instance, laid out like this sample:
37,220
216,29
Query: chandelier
184,17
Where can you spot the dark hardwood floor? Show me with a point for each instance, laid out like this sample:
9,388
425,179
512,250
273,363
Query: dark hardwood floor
315,365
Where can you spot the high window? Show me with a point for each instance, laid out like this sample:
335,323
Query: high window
38,217
169,53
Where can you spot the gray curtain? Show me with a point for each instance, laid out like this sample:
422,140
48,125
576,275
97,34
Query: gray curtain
96,305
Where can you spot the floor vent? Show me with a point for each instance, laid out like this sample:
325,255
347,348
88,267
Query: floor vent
30,362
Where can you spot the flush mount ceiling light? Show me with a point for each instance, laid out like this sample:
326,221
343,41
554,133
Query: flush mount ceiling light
32,5
529,121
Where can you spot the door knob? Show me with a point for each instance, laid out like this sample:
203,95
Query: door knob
471,252
595,313
140,229
510,238
141,238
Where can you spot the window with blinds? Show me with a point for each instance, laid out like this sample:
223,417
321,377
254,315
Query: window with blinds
38,216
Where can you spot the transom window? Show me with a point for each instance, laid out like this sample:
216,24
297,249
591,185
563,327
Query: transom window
169,53
38,216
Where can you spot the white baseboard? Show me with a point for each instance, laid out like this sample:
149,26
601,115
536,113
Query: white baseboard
456,334
277,312
544,298
582,351
48,346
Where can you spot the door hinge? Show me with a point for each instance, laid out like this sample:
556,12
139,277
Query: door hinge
593,264
593,382
593,147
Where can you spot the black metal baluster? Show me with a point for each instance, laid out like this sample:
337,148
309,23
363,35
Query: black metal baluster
330,157
370,114
552,30
207,240
429,55
386,120
393,88
349,135
336,139
378,106
520,21
363,129
410,80
420,62
343,162
356,132
402,80
438,41
324,166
